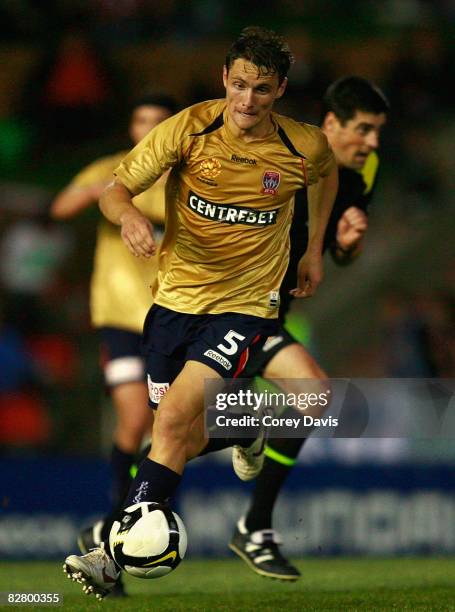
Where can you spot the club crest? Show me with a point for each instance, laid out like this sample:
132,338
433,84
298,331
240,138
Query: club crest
270,182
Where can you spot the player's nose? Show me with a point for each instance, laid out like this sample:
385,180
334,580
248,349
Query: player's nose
372,140
248,98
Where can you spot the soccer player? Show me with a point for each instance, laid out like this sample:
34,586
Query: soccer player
120,299
235,168
354,113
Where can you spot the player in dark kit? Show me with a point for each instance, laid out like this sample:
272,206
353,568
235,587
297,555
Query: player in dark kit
223,256
354,112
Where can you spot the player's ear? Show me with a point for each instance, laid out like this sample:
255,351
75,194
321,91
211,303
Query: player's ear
281,88
330,122
225,75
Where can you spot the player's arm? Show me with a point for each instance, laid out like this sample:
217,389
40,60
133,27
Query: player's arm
321,197
351,230
74,199
136,230
159,151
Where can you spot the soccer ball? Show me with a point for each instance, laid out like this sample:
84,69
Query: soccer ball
149,541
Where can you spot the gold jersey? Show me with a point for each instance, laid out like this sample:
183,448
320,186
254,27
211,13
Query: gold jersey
229,206
120,294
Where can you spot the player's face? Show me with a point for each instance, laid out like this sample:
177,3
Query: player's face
144,119
250,96
354,140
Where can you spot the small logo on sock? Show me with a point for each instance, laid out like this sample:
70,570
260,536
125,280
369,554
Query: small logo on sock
141,491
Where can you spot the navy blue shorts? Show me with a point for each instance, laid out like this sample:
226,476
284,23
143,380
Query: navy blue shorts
221,341
121,356
260,356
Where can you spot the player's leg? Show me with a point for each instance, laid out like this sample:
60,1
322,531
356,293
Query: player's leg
181,403
133,423
96,570
290,365
215,346
254,539
124,372
124,375
159,474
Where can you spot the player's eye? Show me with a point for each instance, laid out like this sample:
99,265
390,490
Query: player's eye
364,129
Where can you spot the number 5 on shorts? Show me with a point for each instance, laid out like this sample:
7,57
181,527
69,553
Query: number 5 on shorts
231,338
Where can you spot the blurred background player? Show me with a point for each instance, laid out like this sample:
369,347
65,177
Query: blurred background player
120,298
354,112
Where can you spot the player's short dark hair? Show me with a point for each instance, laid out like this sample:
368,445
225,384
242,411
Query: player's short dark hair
156,99
264,49
350,94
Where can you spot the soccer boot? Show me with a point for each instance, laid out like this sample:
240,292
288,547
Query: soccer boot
248,462
90,537
260,552
96,571
118,589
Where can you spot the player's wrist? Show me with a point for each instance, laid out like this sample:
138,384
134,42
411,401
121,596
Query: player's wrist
128,213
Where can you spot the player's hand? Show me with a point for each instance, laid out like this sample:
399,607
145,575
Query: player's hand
351,228
137,234
309,275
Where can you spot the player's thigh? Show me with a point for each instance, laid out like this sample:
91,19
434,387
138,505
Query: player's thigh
296,372
185,400
293,361
293,365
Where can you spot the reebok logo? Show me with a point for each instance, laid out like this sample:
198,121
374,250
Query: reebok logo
227,365
228,213
243,160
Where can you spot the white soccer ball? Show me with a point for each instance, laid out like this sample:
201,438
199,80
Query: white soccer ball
150,541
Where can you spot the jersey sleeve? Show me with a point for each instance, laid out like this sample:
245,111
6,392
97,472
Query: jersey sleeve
163,148
319,158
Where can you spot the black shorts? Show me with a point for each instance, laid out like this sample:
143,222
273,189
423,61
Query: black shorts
221,341
261,355
121,356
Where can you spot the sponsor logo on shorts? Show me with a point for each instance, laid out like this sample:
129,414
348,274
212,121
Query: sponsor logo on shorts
271,342
243,160
270,182
156,390
227,365
228,213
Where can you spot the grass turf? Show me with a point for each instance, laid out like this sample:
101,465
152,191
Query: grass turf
209,585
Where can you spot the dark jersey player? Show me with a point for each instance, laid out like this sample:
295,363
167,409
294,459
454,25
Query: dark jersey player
355,111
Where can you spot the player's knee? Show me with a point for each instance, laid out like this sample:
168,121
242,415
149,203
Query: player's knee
171,425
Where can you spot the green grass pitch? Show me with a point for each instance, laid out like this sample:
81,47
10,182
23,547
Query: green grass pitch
211,585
